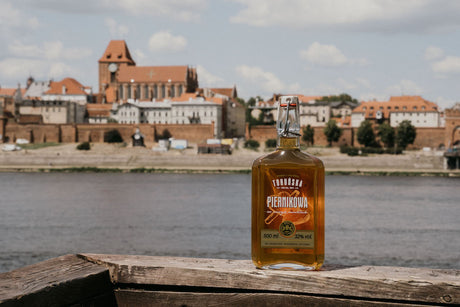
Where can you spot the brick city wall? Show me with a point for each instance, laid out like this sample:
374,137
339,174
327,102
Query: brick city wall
95,132
429,137
263,133
426,137
452,127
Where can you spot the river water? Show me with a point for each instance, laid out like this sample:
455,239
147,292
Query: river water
396,221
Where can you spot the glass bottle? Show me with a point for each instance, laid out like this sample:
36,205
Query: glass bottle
288,200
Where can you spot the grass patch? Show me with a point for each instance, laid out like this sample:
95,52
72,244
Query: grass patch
82,170
38,145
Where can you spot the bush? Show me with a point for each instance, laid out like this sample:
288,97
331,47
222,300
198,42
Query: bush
270,143
251,144
84,146
353,151
113,136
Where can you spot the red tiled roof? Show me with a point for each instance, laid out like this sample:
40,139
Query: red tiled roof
223,91
306,99
102,110
396,104
117,52
7,91
152,74
185,97
72,87
217,100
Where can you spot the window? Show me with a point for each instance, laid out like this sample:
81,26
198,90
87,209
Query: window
364,108
163,91
146,92
129,91
138,92
404,108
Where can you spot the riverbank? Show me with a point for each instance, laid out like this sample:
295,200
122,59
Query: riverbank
116,158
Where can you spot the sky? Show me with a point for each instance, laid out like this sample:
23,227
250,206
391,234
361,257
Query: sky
370,49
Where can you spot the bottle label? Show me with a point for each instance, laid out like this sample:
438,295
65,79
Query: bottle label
288,213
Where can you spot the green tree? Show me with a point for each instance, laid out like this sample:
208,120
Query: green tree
270,143
113,136
251,102
308,135
387,135
365,134
406,134
332,131
341,97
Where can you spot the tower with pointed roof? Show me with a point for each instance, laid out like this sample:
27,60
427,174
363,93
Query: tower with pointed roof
115,56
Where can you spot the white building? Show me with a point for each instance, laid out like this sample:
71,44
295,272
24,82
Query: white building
177,111
420,112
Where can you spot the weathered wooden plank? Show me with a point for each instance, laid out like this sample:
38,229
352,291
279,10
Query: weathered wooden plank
66,280
128,298
410,285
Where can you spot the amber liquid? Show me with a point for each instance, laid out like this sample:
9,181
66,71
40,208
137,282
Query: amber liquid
288,160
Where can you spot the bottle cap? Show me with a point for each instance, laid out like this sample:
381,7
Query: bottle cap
288,124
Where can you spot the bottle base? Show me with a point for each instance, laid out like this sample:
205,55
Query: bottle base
290,267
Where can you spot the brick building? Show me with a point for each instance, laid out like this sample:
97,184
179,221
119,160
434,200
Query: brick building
120,79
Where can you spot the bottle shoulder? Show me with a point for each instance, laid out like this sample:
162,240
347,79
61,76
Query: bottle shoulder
296,156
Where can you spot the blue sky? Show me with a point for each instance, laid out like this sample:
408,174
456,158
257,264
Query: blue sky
370,49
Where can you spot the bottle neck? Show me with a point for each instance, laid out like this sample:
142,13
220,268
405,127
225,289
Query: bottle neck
286,143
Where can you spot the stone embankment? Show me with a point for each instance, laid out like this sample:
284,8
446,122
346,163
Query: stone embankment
126,158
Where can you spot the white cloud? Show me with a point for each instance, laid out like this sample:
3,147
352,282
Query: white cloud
324,55
328,55
140,57
17,68
404,87
53,50
264,80
164,41
433,53
11,19
445,103
208,79
115,29
362,15
185,10
182,10
448,65
59,69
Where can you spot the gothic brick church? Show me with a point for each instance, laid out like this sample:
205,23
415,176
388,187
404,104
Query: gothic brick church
120,79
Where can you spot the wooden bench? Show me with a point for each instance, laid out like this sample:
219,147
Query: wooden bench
124,280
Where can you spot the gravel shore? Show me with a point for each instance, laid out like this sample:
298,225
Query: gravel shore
127,158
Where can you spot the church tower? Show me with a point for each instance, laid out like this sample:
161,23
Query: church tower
115,56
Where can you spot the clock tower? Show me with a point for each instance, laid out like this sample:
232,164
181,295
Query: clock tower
115,56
